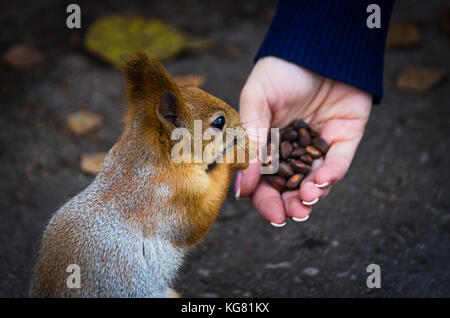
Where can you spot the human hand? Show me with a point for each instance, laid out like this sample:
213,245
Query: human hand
278,92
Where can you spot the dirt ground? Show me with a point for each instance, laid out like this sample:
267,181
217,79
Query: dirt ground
392,209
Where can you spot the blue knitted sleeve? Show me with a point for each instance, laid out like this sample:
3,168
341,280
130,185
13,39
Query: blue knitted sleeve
332,38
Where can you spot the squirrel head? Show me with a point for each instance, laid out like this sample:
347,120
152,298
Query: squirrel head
196,141
190,125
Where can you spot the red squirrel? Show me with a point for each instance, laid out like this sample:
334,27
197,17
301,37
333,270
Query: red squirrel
129,229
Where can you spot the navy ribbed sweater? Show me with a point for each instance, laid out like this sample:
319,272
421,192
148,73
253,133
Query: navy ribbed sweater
331,37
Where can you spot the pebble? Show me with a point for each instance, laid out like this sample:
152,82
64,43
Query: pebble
203,272
311,271
284,265
342,274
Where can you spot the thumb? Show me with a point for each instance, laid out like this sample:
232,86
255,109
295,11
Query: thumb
256,118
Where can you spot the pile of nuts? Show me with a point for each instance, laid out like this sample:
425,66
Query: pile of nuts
299,146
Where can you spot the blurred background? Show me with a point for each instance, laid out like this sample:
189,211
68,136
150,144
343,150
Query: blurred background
61,104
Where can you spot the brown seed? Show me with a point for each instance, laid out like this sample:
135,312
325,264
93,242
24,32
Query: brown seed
294,181
314,133
290,135
277,182
285,170
297,152
320,144
283,130
313,152
299,166
300,124
306,159
285,149
304,139
300,146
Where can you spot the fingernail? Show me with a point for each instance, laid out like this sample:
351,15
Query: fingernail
237,186
300,219
323,185
277,225
311,202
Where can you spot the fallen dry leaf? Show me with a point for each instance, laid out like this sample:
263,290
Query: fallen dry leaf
190,80
115,37
83,121
91,163
402,36
22,57
419,79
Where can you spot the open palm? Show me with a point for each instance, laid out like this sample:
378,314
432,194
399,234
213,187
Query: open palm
278,92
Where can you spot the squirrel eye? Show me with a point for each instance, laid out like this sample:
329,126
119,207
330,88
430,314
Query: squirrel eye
219,122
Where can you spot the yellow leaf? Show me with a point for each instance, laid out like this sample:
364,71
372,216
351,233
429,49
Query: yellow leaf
113,38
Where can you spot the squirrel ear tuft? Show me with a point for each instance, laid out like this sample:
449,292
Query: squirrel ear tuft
148,83
168,108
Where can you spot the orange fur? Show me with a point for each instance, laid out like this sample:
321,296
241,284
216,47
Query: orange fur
197,195
141,201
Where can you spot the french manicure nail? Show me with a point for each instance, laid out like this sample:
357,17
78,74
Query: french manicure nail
277,225
237,185
300,219
323,185
311,202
